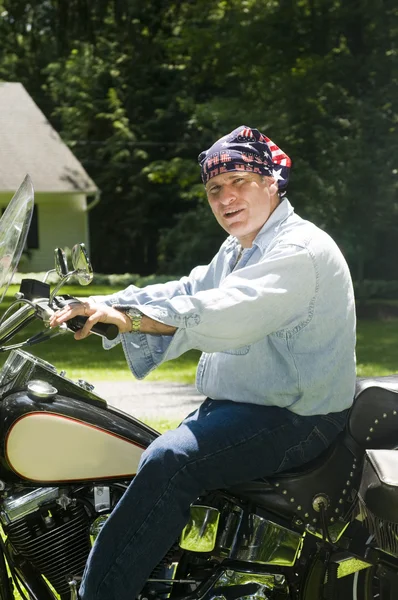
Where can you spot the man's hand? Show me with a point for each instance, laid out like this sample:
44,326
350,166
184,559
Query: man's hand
105,314
95,313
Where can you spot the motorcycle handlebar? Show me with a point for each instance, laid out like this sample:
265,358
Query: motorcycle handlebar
109,331
106,330
16,322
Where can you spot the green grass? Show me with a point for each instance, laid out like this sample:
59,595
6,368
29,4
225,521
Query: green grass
377,348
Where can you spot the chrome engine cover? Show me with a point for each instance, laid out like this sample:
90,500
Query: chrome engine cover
20,505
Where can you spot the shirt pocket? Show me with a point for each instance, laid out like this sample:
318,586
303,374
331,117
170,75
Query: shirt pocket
237,351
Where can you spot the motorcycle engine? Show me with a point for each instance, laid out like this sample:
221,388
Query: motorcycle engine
50,531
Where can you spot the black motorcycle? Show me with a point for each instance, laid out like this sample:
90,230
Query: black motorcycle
326,530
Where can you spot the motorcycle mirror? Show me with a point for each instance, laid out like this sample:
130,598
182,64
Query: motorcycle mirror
81,264
61,263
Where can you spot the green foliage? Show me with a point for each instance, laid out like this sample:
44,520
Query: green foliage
367,289
139,89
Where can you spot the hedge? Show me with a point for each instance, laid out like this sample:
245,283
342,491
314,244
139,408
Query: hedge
367,289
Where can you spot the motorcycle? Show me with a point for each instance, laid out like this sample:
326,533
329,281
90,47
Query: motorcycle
325,530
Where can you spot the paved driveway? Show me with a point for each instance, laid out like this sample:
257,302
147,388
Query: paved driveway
156,400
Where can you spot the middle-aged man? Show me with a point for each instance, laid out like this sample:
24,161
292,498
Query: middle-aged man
273,314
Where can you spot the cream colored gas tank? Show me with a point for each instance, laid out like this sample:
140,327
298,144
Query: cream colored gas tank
48,446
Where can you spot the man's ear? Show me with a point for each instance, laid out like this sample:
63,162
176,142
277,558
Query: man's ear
273,188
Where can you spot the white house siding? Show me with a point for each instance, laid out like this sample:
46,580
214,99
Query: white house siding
62,221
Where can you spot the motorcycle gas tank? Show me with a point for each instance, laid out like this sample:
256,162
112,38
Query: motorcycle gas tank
62,439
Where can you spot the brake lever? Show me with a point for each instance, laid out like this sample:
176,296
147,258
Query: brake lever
42,336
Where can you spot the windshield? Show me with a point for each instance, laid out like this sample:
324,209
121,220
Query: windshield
14,227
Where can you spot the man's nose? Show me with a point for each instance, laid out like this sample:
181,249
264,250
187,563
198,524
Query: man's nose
227,195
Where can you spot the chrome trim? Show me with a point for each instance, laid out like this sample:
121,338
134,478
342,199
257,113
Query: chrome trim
96,527
102,498
41,390
200,533
18,506
335,530
267,582
269,543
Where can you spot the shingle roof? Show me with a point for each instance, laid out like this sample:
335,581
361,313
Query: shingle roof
29,144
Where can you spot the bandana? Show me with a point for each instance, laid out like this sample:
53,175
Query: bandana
246,149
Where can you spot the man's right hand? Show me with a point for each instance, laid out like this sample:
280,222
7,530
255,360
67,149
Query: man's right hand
95,313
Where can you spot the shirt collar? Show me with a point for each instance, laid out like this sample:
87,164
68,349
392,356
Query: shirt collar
282,212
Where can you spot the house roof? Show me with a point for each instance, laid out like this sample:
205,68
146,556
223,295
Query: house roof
29,144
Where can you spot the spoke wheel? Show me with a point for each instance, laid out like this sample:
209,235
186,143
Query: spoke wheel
367,585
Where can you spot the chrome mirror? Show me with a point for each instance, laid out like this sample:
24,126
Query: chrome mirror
61,263
83,270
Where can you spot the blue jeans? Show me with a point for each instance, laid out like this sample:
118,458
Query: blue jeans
221,444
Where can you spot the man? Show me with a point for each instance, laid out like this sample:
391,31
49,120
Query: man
274,316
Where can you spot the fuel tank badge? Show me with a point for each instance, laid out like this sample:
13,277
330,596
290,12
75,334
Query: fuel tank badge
41,390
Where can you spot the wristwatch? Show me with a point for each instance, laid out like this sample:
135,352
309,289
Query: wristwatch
136,317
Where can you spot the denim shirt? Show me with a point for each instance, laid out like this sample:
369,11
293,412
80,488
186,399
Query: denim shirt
277,328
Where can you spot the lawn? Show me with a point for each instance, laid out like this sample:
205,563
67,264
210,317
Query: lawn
377,350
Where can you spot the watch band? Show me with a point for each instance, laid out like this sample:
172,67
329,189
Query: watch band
136,317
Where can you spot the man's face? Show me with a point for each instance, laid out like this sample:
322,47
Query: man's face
242,202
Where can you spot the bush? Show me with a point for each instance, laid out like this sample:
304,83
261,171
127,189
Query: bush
367,289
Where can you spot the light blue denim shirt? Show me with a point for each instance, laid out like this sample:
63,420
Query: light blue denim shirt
278,328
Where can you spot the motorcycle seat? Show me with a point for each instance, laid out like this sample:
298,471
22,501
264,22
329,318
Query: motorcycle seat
378,492
373,418
334,474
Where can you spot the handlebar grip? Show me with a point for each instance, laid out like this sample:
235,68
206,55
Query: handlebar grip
109,331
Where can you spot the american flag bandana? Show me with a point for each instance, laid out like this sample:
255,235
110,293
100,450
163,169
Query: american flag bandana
246,149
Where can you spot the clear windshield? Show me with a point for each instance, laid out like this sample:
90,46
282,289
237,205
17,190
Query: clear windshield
14,227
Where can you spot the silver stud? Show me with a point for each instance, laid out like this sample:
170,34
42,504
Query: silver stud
368,439
394,412
277,484
341,501
336,510
291,499
284,492
376,421
344,492
354,466
306,515
299,507
384,415
314,520
348,482
371,429
351,474
332,519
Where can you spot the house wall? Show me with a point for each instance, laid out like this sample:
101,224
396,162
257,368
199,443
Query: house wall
62,221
